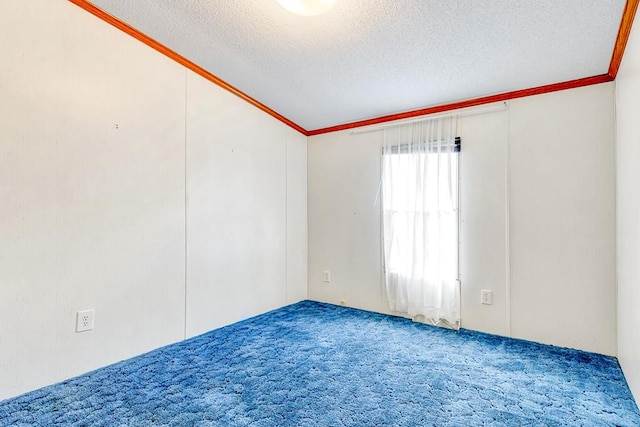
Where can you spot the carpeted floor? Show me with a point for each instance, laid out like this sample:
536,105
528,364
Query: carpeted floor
313,364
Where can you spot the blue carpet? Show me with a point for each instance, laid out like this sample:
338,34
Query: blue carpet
313,364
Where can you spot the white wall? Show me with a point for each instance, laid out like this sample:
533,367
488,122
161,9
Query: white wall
537,219
344,220
562,212
92,198
246,176
90,216
483,225
628,210
296,216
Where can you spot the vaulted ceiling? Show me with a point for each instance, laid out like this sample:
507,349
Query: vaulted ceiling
370,58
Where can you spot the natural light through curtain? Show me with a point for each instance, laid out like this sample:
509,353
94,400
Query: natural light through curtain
420,220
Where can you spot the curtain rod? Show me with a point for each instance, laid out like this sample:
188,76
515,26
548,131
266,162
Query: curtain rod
463,113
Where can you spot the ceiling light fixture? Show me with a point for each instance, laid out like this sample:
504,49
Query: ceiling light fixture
307,7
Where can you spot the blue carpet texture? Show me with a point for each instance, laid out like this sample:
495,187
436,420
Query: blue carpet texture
313,364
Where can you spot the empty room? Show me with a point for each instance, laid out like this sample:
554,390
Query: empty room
319,213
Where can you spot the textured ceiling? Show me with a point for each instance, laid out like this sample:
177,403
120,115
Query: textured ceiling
368,58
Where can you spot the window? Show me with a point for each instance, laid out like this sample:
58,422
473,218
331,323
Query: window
420,203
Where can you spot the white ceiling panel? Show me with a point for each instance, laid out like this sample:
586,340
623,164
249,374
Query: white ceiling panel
367,58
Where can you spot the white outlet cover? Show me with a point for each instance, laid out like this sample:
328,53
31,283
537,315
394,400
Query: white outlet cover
326,276
84,320
486,297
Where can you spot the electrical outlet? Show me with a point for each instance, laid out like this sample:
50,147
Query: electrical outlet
326,276
84,320
486,297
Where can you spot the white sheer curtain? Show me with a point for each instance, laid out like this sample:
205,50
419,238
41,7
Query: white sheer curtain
420,220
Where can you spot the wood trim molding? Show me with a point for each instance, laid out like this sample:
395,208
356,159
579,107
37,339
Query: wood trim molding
628,16
571,84
128,29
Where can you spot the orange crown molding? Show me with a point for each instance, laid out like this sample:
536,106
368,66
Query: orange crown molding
571,84
84,4
626,23
623,36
